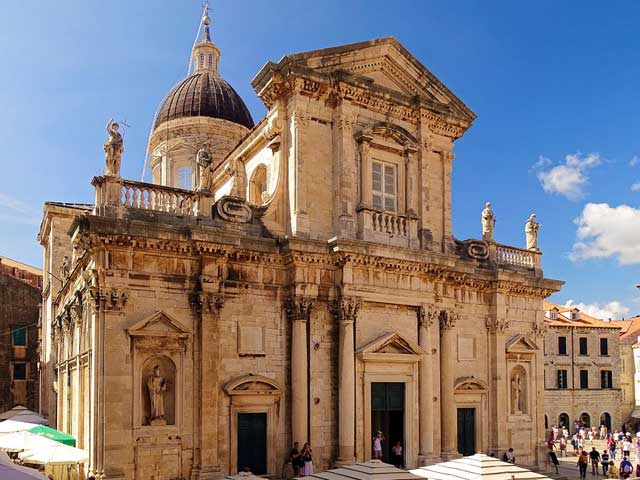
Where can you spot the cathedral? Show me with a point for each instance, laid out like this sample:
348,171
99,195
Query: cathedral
291,280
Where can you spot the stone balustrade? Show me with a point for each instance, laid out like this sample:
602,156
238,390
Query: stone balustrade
388,227
517,257
114,195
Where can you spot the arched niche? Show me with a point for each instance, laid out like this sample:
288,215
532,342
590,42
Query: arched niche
564,421
258,186
158,384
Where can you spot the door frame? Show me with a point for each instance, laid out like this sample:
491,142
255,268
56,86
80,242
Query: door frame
475,427
235,444
472,393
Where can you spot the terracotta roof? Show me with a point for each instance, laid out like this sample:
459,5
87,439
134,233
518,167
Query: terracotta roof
630,329
585,321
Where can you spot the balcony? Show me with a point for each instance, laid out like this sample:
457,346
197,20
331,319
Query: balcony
388,228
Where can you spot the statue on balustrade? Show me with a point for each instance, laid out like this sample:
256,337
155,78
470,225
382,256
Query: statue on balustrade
238,174
157,385
488,223
204,159
113,149
531,228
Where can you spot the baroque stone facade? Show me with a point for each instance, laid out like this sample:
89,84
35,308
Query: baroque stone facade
582,370
310,290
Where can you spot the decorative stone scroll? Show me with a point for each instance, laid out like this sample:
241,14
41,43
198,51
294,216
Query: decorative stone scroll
346,309
232,209
478,250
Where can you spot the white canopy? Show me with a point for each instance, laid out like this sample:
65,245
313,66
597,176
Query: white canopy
476,467
11,426
11,471
23,414
371,470
54,454
19,441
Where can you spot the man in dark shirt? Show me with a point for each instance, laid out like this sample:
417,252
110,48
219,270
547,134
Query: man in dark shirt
594,455
604,458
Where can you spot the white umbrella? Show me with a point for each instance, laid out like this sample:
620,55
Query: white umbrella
19,441
23,414
54,453
11,471
10,426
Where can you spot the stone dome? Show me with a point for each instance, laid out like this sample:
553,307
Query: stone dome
204,94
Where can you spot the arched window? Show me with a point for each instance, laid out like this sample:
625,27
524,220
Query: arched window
258,186
585,419
563,421
605,419
546,421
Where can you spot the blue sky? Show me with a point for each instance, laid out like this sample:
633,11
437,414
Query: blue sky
554,85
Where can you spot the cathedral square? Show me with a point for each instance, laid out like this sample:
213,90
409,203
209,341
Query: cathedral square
295,279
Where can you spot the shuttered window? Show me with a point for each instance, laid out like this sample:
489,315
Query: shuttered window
383,186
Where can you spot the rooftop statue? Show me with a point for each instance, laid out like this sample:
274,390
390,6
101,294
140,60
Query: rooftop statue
531,228
204,160
488,223
113,148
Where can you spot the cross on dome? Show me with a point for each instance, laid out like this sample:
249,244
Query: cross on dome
205,55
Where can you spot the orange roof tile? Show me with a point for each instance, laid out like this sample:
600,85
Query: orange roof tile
585,321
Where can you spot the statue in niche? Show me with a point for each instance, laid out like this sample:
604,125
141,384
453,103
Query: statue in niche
113,149
65,267
488,223
238,173
204,159
531,228
516,393
156,385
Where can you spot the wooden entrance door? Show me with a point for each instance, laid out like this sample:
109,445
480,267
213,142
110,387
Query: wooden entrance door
467,431
252,443
387,415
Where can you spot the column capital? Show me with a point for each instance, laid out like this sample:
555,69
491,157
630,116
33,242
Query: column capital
448,319
448,155
497,325
345,309
540,329
207,302
298,308
427,315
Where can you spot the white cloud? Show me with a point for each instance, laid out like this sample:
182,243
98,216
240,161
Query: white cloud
635,160
568,178
603,311
635,187
17,211
605,231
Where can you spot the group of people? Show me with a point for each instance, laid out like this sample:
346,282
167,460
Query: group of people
605,461
301,460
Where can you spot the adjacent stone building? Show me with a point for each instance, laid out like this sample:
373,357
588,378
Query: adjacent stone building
629,370
582,370
293,280
20,297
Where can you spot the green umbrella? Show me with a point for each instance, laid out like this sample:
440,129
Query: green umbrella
53,434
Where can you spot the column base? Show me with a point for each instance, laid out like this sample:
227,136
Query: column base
450,455
428,459
341,463
207,472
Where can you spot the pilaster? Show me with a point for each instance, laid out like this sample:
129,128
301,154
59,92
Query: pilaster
447,320
427,317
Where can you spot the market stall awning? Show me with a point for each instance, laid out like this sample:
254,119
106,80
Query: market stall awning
11,471
20,441
476,467
371,470
11,426
53,434
54,454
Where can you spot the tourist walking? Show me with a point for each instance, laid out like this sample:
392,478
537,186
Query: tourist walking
397,454
583,461
563,446
626,447
613,470
626,468
307,469
604,458
594,455
554,459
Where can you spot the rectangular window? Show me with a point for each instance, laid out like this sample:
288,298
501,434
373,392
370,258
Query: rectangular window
18,371
606,379
604,347
201,60
19,336
383,186
562,345
584,378
210,60
184,178
583,345
562,379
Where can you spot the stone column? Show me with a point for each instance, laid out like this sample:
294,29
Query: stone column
299,313
449,424
426,318
346,312
366,199
207,306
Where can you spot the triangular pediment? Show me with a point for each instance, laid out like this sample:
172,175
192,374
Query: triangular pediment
520,343
392,343
159,324
384,62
